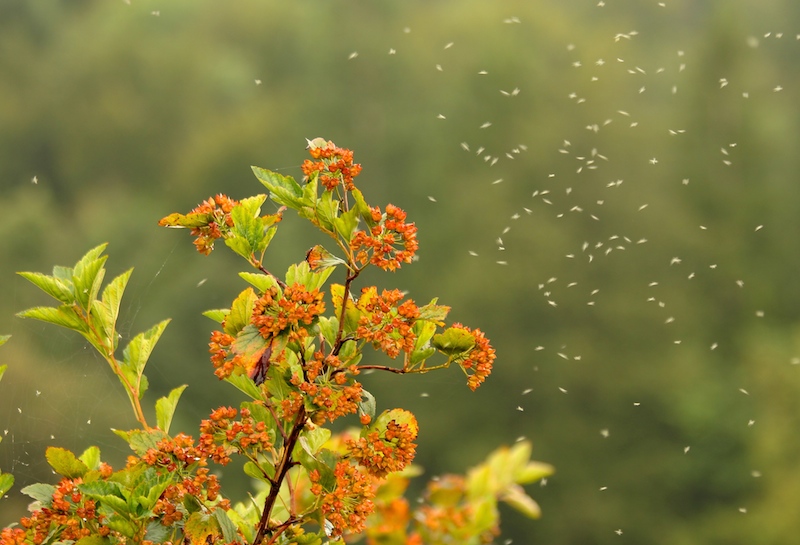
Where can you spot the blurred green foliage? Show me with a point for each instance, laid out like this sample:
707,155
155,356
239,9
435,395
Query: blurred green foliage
671,419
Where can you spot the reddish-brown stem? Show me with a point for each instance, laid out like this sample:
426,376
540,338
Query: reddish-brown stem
282,468
383,368
345,298
261,268
280,529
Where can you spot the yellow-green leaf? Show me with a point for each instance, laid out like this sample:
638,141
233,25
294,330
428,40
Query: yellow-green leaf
65,463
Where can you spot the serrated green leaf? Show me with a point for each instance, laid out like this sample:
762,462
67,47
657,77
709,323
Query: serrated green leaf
229,533
253,470
326,211
112,296
65,316
282,189
141,441
433,312
363,208
65,463
91,457
87,276
218,315
102,489
262,282
454,341
137,353
245,384
328,327
249,343
200,526
55,287
301,273
43,493
346,224
165,408
157,532
516,497
6,482
367,405
241,311
424,331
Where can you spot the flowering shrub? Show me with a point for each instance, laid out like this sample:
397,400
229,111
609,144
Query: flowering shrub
294,349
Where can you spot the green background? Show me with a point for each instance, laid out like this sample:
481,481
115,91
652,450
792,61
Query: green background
650,153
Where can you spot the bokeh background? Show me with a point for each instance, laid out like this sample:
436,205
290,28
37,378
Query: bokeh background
608,189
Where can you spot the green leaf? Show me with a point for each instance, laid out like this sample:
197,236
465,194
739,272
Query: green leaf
102,489
326,211
87,276
187,221
516,497
56,288
346,224
315,438
137,353
91,457
112,296
241,311
533,471
92,540
6,482
65,316
43,493
363,208
218,315
367,405
351,315
157,532
454,341
433,312
201,526
262,282
245,384
282,189
254,471
249,343
4,339
141,441
301,273
3,370
165,408
65,463
247,235
328,326
227,526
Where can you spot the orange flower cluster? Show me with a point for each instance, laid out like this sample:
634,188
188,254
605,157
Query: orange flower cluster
387,325
175,453
383,455
216,215
330,392
221,435
390,242
349,503
220,350
478,363
273,314
333,165
75,516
